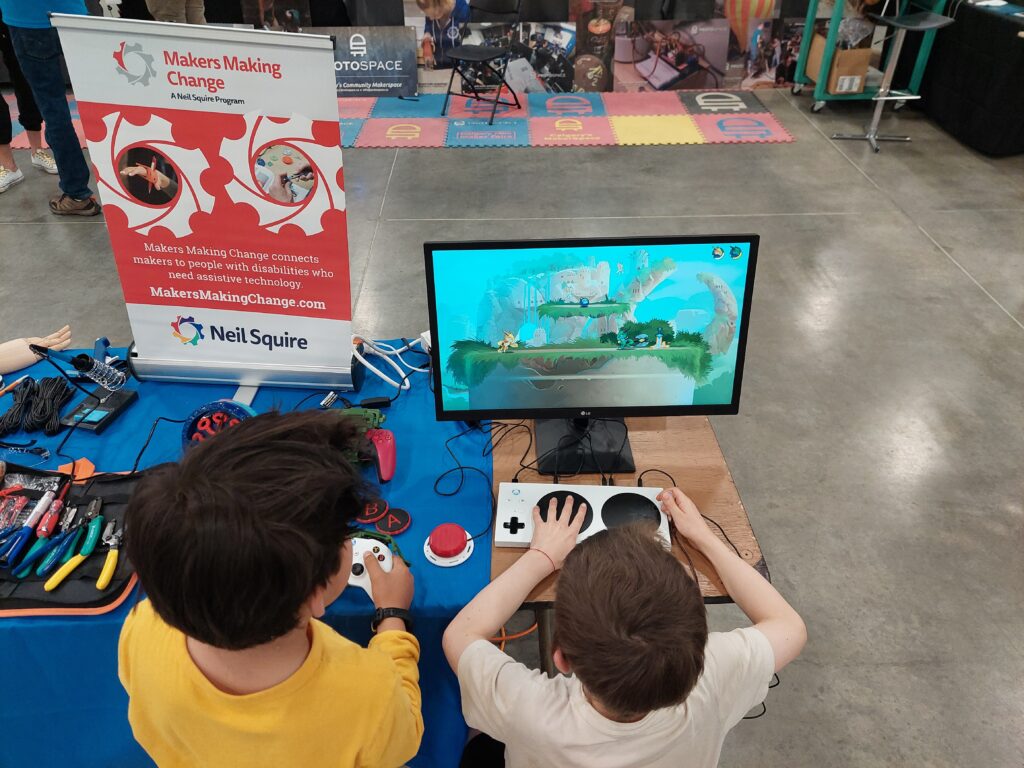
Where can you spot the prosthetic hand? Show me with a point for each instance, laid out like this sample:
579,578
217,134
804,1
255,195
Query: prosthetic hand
15,354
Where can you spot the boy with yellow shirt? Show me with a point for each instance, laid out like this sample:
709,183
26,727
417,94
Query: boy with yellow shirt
240,547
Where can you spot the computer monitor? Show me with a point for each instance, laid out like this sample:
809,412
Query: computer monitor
580,333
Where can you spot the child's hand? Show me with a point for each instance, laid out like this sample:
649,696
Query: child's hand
556,537
390,590
685,516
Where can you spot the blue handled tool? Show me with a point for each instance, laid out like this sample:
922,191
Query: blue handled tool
46,547
40,549
12,546
63,545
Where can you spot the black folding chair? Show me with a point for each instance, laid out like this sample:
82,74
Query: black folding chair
494,59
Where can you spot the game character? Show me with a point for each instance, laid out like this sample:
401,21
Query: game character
735,252
717,252
508,343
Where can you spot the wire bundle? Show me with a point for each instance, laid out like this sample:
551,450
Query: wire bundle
12,420
37,406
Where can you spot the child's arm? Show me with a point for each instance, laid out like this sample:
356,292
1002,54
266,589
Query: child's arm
755,596
401,730
488,611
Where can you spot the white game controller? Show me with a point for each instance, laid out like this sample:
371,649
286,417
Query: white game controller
359,577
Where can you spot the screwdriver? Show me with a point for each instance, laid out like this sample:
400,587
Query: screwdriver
49,522
17,541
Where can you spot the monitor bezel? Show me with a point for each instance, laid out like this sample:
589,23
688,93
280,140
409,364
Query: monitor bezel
443,414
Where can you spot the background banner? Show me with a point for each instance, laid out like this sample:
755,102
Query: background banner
374,61
218,162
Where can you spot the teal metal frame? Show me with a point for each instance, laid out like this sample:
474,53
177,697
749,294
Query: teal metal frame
821,94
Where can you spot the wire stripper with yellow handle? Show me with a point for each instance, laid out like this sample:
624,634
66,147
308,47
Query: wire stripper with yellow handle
93,522
112,536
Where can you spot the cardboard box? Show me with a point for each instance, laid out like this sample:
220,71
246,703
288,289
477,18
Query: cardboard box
849,67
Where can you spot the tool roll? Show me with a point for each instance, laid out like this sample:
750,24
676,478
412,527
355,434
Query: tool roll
24,594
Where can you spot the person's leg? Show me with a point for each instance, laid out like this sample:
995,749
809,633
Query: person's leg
28,112
195,11
9,173
6,134
167,10
38,52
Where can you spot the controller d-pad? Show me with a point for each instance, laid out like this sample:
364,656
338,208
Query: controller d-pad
514,525
358,569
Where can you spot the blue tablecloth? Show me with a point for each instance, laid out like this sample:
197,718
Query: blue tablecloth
62,702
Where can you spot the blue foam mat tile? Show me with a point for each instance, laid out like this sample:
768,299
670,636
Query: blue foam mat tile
424,105
475,132
566,105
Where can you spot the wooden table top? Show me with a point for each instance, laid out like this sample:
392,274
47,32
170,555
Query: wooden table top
686,448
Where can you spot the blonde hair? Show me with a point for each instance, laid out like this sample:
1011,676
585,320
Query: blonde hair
436,9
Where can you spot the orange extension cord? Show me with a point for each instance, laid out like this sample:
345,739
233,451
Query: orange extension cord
504,637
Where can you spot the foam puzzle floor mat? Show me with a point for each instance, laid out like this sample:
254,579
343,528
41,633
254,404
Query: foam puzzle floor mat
544,120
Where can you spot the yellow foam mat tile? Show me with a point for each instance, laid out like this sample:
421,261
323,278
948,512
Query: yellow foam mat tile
656,129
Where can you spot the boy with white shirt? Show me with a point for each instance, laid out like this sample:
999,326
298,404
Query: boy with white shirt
647,685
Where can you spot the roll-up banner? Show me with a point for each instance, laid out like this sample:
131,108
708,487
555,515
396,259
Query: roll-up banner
218,162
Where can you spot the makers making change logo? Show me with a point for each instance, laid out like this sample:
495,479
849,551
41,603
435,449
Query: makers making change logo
134,64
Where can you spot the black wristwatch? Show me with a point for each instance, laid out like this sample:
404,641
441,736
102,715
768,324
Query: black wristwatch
391,613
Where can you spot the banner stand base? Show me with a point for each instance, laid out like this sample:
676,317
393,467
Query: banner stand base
246,375
245,394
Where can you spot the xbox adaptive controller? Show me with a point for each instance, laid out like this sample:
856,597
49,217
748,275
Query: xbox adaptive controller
383,452
359,577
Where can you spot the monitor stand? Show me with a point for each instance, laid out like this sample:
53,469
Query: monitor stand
583,446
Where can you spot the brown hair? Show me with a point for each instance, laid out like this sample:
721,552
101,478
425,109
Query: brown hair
630,621
230,541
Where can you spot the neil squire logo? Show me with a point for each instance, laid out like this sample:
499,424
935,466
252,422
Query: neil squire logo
187,330
133,63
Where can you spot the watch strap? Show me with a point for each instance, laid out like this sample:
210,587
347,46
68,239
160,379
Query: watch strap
391,613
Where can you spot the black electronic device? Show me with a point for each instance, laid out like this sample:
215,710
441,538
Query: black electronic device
98,411
579,334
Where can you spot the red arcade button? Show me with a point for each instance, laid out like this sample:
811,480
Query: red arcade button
448,540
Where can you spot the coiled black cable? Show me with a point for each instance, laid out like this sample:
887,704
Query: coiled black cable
44,411
12,420
37,406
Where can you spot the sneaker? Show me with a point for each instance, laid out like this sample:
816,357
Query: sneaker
65,205
43,159
9,178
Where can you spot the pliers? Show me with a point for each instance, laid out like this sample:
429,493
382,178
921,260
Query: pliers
47,550
93,523
112,536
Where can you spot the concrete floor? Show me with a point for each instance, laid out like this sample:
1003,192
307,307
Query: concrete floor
879,446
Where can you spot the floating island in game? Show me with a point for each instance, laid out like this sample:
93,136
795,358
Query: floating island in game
546,325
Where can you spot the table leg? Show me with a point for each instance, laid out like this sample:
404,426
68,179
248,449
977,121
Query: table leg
546,638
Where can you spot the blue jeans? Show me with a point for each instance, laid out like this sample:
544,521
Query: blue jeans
39,53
